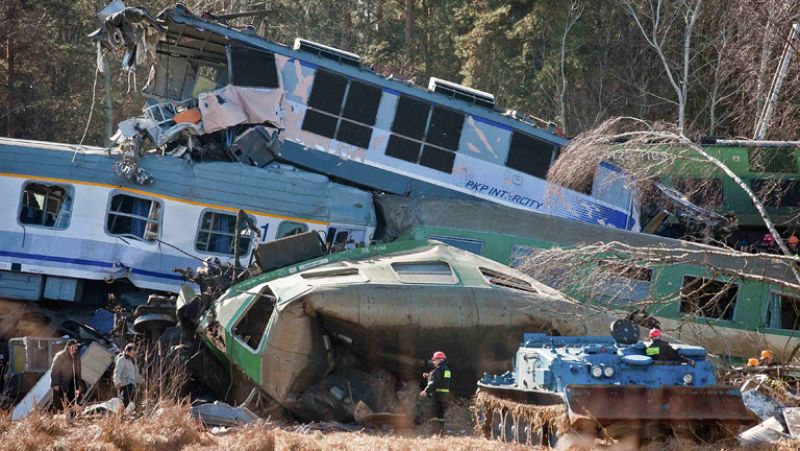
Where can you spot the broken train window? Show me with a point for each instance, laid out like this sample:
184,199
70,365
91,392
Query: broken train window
425,272
133,217
46,205
530,155
216,234
500,279
289,228
252,67
342,109
708,298
783,312
425,134
252,325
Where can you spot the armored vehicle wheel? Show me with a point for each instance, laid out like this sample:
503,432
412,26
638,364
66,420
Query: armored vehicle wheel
496,424
509,427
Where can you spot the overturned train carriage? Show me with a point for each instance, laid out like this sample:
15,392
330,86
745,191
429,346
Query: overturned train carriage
389,307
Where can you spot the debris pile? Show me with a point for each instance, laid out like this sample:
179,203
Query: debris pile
773,394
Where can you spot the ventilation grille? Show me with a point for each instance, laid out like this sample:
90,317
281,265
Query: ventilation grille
456,91
327,52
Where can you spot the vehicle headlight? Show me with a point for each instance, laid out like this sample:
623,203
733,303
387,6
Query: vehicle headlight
597,371
688,378
608,371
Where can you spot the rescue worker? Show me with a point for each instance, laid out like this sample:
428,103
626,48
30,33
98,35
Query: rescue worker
752,362
792,244
767,358
438,389
65,377
126,374
660,350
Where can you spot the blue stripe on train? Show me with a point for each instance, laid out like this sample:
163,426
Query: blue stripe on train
85,262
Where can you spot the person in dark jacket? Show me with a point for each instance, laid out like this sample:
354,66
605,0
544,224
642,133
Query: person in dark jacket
65,376
438,389
659,349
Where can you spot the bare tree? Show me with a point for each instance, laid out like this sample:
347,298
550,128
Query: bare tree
575,11
647,153
656,19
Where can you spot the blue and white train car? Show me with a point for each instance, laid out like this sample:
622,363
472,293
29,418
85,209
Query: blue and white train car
68,218
341,119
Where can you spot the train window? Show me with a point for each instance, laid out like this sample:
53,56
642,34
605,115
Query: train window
467,244
252,67
777,193
425,272
777,160
530,155
402,148
289,228
327,92
362,103
251,327
783,312
438,138
708,298
217,232
342,109
411,117
133,217
445,128
46,205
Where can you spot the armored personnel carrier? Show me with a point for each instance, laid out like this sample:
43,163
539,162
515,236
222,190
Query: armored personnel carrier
584,388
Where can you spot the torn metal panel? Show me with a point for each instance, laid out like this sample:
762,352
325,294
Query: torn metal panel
222,414
769,431
233,105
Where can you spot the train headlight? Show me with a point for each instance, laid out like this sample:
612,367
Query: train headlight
688,378
597,371
608,371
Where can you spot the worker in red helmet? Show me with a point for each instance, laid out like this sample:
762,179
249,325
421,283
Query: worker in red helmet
660,350
438,389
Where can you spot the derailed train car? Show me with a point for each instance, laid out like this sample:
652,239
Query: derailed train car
319,333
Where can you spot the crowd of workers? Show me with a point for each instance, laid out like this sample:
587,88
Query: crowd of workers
769,246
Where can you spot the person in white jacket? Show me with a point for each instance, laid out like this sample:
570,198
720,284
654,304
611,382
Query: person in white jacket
126,373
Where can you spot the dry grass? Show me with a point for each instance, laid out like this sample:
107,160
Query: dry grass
171,427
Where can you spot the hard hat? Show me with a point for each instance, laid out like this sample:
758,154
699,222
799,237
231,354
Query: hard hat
752,362
767,354
655,333
768,237
439,355
793,240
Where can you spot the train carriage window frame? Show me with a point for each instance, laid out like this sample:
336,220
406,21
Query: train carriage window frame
259,312
432,142
728,313
151,233
522,155
775,304
252,68
245,234
342,108
283,229
426,272
61,218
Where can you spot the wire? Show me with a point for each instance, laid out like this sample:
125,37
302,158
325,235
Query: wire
91,111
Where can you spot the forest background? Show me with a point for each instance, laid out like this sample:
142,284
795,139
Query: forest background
575,63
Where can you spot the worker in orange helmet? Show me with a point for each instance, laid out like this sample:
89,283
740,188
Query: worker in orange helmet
752,362
792,243
438,389
767,358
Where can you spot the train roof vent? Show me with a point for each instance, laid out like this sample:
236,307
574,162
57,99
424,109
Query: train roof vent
456,91
327,52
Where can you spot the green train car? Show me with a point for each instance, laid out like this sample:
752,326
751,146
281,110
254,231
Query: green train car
770,169
733,303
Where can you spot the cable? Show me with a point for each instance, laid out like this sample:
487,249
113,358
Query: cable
91,111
